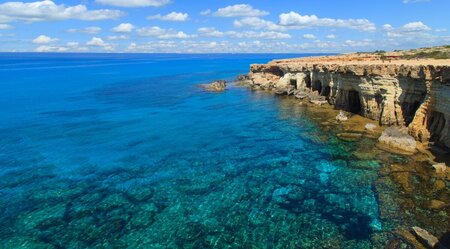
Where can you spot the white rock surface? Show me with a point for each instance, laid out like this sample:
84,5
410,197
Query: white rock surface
341,116
398,139
370,127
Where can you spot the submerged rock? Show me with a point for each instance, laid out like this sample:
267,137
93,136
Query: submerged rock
317,99
425,237
440,168
242,77
341,116
215,86
349,135
370,127
437,204
279,195
398,140
285,90
243,80
301,95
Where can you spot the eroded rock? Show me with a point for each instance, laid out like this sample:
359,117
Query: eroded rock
341,116
412,94
440,168
370,127
429,240
398,140
215,86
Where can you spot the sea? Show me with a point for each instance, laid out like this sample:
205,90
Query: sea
127,151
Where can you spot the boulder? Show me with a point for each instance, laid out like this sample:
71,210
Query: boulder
440,168
398,140
317,99
437,204
427,239
215,86
285,90
242,77
301,95
341,116
370,127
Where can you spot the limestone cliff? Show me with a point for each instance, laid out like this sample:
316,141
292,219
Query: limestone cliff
414,94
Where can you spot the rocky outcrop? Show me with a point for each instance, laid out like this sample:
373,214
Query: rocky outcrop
398,139
215,86
404,93
429,240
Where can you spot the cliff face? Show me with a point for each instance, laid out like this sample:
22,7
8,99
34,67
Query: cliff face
412,95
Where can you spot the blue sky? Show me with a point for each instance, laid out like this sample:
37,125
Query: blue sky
205,26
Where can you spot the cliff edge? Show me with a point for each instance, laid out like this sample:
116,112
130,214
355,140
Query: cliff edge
412,93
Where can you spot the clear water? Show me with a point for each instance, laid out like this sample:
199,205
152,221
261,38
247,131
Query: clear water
125,151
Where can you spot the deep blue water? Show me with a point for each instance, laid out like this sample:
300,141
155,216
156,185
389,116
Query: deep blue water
125,151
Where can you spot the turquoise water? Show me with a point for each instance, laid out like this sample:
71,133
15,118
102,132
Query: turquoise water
125,151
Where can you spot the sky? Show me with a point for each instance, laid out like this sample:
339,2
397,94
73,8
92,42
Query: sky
222,26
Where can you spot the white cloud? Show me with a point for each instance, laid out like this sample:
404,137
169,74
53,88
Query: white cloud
70,46
161,33
258,35
295,20
362,43
239,10
123,28
410,29
176,35
117,37
257,23
134,3
414,1
88,30
46,48
331,36
43,39
387,27
309,36
205,12
98,42
415,27
173,17
210,32
73,44
47,10
5,26
95,41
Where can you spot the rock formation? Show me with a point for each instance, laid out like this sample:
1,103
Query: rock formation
398,139
215,86
429,240
404,93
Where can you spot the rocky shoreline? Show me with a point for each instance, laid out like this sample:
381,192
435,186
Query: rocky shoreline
411,95
405,107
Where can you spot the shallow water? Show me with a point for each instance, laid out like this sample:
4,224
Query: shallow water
116,151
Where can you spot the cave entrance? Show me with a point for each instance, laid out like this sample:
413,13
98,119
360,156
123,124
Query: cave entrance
293,83
275,71
326,91
354,103
317,86
409,111
308,81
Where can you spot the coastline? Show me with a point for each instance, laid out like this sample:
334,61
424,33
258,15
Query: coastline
408,94
358,99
